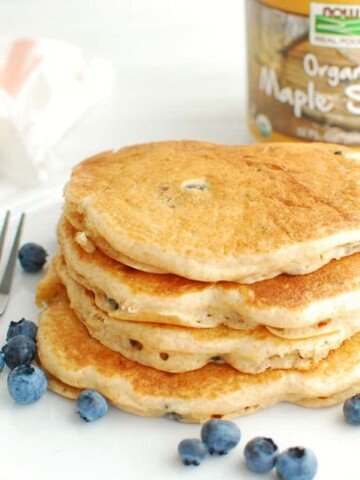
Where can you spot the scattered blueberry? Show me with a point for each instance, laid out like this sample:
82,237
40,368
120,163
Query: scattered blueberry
192,451
220,436
19,350
296,463
32,257
22,327
260,454
26,384
2,362
91,405
351,410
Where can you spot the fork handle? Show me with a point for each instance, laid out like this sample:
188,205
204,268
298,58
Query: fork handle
10,267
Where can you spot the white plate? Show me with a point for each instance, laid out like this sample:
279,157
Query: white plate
48,441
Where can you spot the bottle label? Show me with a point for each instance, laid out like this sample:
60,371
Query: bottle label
304,73
335,26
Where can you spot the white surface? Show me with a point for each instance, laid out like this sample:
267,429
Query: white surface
48,441
180,69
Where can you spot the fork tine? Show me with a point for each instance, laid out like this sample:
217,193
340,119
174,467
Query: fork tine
10,267
3,231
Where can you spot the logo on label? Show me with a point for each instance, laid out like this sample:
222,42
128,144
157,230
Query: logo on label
264,125
336,26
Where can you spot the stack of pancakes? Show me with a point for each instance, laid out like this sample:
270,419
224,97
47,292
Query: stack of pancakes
197,280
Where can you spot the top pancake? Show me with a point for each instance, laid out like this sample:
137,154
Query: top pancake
212,212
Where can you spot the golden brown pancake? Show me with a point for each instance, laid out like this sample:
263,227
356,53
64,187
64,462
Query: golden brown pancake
180,349
212,212
296,306
77,360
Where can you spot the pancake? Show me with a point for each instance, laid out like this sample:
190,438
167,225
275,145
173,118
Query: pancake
212,212
72,393
77,360
179,349
97,242
295,306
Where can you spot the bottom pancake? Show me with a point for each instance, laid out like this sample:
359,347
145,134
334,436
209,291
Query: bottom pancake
76,360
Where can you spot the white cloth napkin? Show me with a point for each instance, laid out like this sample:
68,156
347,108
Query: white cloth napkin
45,86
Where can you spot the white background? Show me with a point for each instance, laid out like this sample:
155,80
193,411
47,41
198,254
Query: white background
180,68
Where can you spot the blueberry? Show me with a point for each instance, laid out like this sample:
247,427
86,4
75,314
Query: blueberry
26,384
296,463
220,436
19,350
351,410
32,257
174,416
22,327
91,405
113,303
192,451
260,454
2,362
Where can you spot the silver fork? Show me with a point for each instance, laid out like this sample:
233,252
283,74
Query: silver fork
6,281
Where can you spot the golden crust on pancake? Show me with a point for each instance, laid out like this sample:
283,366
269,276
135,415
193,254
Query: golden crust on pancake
317,300
68,353
211,212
